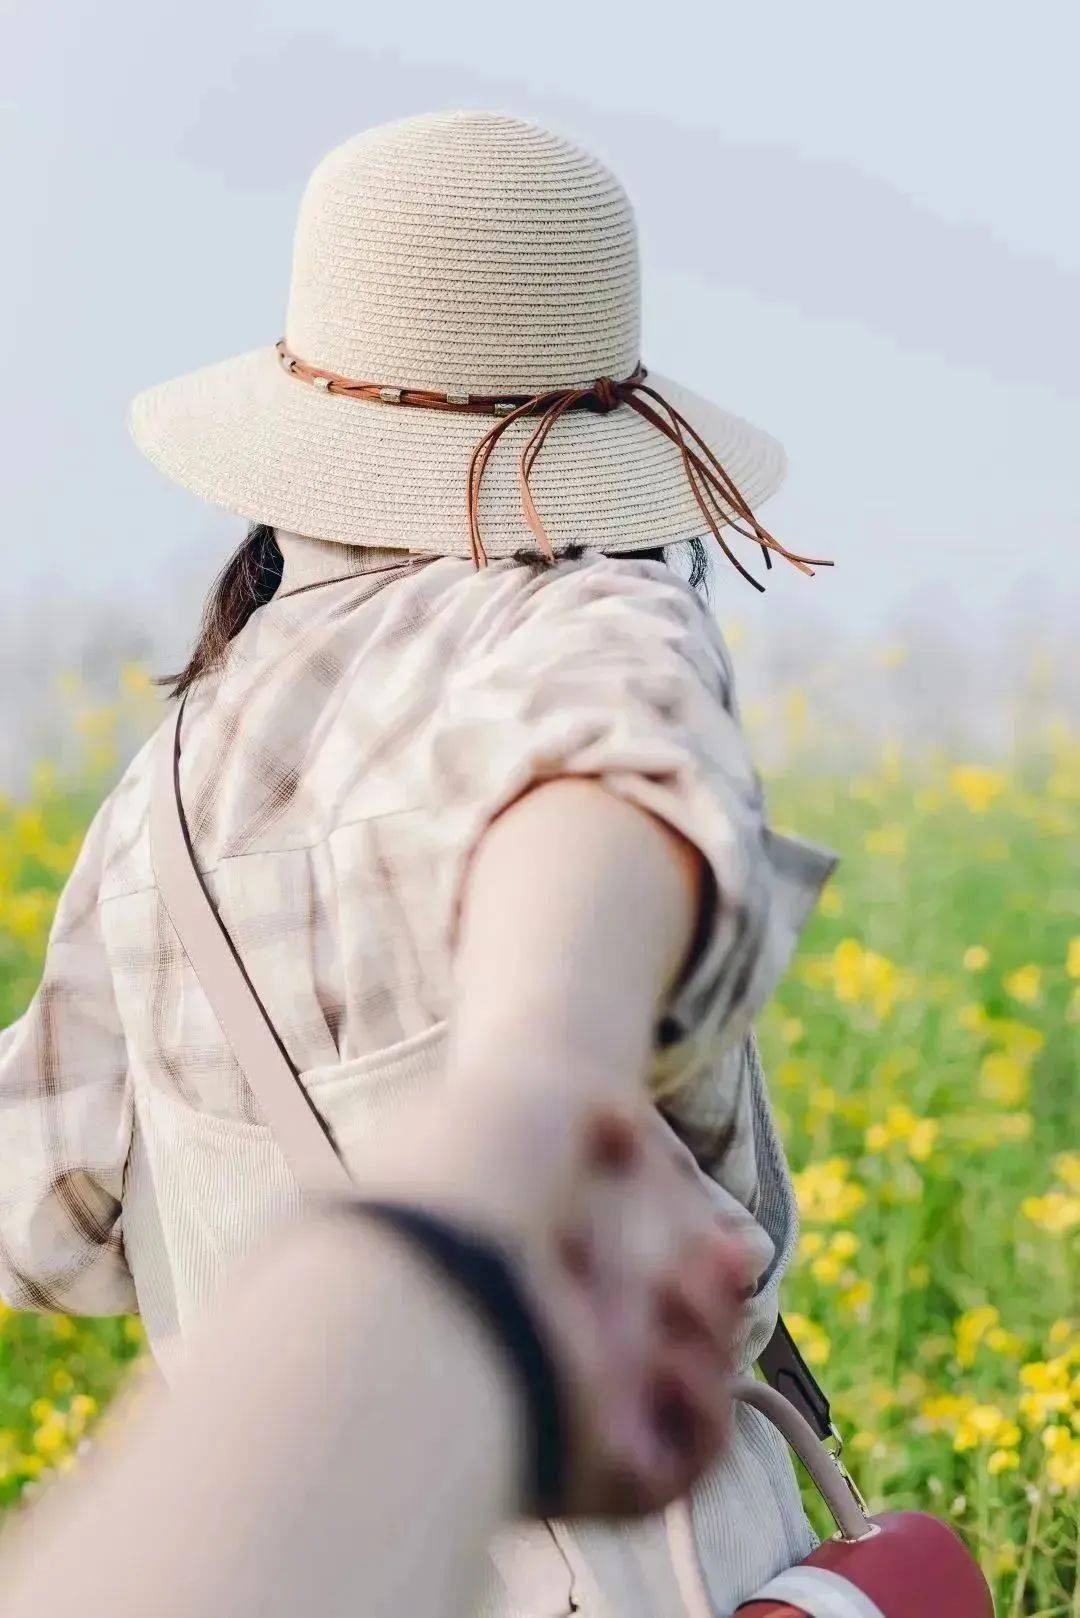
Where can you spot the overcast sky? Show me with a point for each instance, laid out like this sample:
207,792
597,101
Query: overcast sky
859,229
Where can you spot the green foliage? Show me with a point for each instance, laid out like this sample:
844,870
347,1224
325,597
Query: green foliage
922,1051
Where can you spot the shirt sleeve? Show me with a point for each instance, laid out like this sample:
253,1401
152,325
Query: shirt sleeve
616,670
65,1120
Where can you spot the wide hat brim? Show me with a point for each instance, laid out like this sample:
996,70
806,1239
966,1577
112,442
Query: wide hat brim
249,437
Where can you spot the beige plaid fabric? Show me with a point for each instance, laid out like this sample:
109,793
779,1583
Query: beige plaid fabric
336,775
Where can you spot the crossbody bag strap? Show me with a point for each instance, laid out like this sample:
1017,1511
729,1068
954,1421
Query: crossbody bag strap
265,1063
263,1059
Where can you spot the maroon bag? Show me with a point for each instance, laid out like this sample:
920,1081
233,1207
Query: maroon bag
899,1564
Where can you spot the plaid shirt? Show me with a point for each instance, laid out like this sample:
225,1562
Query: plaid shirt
336,773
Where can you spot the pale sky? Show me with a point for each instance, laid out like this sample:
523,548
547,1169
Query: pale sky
859,229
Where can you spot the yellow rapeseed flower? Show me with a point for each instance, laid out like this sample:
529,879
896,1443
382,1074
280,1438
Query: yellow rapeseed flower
97,724
902,1126
1067,1168
976,956
1001,1460
923,1138
826,1193
1025,984
813,1342
135,680
865,977
976,786
1064,1470
1004,1342
971,1327
856,1297
1047,1393
980,1424
50,1438
1004,1078
943,1412
25,915
1072,957
1056,1212
1043,1375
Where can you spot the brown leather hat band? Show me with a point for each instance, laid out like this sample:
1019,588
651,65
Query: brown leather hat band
715,492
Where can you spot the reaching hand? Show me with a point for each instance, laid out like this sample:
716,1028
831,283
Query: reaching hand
641,1289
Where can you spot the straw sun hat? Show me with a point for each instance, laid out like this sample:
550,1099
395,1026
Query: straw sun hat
451,272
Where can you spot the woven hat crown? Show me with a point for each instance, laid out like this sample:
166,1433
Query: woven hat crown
465,250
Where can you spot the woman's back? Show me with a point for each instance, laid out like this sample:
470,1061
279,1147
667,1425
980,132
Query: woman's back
337,772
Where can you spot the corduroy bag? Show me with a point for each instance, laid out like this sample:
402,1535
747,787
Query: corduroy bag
902,1564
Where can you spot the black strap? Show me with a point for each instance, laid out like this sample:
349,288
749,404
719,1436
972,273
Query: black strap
481,1271
784,1369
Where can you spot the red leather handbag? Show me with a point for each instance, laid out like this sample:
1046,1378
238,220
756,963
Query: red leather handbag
899,1564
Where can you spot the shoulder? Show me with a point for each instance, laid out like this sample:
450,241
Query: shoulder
507,595
610,609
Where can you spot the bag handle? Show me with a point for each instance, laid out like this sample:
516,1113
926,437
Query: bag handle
300,1132
832,1483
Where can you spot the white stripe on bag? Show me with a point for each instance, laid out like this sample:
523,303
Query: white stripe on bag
820,1594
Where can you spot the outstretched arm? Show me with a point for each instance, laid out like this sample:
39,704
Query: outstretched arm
576,918
347,1433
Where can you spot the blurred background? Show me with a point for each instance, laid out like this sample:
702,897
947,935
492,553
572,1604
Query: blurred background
858,231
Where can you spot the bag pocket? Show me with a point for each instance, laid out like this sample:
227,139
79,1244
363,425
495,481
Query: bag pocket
204,1191
362,1100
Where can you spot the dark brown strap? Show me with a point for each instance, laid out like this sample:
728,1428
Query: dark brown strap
718,498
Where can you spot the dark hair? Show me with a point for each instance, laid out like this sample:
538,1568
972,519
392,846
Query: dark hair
252,575
248,580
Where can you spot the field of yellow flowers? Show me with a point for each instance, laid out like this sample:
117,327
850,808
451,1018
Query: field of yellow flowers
923,1058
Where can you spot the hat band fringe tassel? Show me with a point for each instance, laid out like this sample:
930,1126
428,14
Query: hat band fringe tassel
717,496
